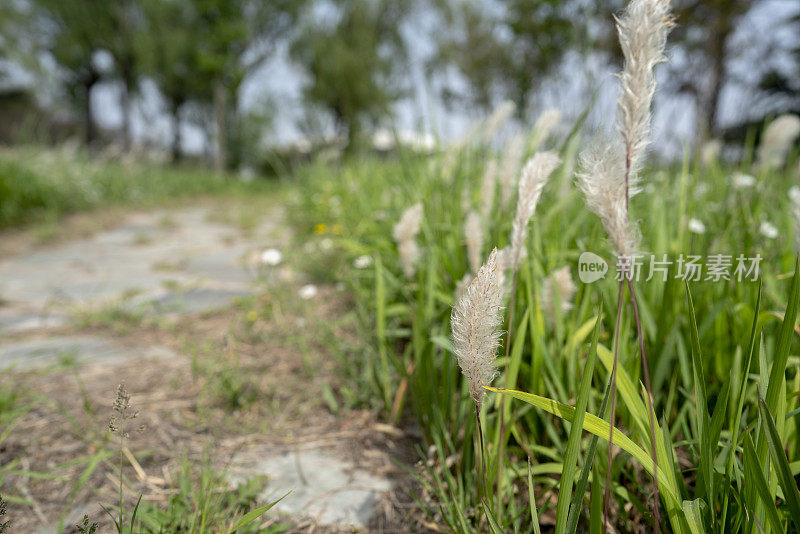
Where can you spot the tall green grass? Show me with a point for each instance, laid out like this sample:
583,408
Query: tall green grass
38,184
712,346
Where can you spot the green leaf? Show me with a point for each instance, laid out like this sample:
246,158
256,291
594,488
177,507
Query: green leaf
252,515
776,375
599,428
532,500
702,422
574,441
790,493
755,476
580,487
692,510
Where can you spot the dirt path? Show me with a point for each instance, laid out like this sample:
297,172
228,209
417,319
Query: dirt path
227,365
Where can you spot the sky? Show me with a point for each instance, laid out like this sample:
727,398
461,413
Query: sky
423,111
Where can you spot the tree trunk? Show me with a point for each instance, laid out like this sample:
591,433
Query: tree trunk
709,97
90,131
177,153
220,106
125,105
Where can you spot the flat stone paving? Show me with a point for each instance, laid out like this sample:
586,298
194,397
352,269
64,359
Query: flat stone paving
190,265
323,486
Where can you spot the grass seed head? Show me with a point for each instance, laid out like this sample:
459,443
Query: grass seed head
405,233
533,179
475,321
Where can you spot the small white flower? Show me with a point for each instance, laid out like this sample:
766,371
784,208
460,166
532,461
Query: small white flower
768,230
696,226
743,181
362,262
794,193
308,291
271,256
326,244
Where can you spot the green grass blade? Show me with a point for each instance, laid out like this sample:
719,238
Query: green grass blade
532,500
702,423
756,477
574,441
790,493
692,510
598,427
580,487
784,341
252,515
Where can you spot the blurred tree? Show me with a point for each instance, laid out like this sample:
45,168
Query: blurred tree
781,83
170,58
76,32
126,19
704,29
234,38
351,64
504,49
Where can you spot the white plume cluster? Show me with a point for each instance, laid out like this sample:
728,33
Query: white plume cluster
602,180
534,176
498,118
473,232
777,141
557,287
476,320
405,235
609,170
544,126
643,30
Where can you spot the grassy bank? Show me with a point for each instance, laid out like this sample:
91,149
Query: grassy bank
44,185
705,388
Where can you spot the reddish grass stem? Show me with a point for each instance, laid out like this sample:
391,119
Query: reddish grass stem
613,407
651,410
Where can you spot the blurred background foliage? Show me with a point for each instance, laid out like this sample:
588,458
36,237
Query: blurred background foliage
216,71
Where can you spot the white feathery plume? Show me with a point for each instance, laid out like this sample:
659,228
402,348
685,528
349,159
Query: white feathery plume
777,140
643,30
534,175
602,180
461,286
559,287
499,116
473,232
405,234
475,320
487,189
609,175
512,159
544,126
